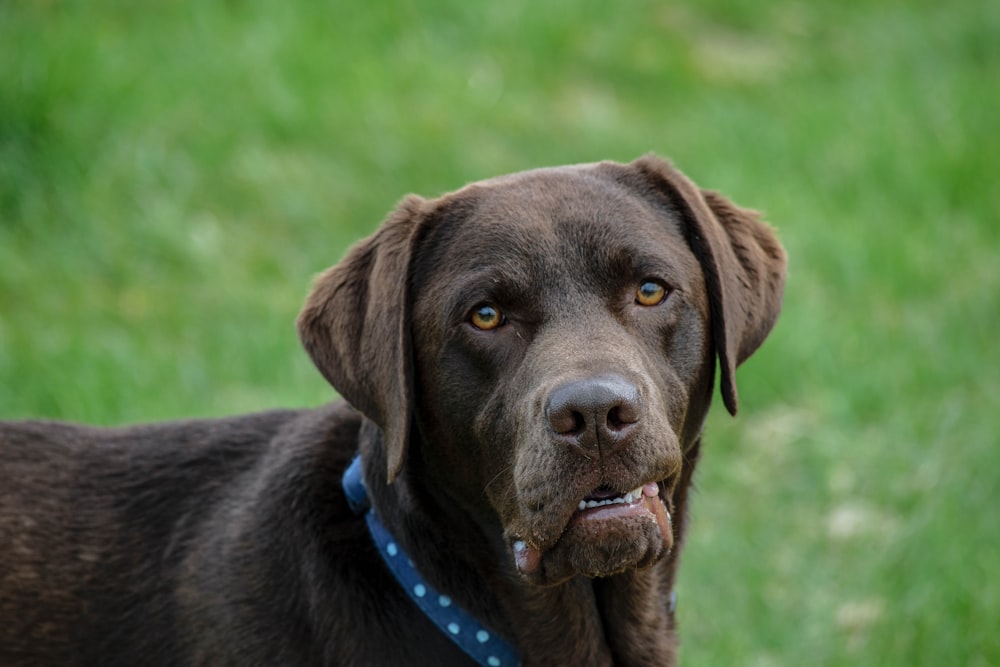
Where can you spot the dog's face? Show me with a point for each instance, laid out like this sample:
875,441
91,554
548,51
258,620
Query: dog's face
553,337
560,329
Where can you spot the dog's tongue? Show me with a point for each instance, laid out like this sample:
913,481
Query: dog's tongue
527,558
660,511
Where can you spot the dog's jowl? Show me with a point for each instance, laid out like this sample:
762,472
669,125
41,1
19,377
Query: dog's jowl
525,365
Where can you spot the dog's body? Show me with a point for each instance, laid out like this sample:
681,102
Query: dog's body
530,361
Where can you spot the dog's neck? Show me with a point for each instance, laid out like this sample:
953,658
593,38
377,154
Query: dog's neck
623,619
478,642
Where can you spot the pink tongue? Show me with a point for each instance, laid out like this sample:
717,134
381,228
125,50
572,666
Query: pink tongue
659,510
526,558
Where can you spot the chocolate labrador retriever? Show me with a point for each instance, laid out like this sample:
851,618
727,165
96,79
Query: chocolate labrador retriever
527,364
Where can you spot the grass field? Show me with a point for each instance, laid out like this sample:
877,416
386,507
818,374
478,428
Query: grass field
173,173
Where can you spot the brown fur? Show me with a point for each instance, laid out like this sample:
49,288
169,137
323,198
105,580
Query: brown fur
229,541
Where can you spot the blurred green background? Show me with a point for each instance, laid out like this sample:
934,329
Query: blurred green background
173,173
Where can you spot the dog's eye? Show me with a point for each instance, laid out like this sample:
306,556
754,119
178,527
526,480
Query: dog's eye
486,317
651,293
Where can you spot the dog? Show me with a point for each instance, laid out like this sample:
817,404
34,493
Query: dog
526,365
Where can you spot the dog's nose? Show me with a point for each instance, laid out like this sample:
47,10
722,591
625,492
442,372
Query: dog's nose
596,412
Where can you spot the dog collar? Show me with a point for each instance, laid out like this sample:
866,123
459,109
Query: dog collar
479,643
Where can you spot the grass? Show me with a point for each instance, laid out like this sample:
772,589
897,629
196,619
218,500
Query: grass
173,175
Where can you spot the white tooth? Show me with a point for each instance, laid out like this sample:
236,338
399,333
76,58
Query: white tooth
591,504
629,499
637,492
583,505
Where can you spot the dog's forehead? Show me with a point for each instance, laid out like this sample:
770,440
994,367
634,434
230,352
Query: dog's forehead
575,212
553,194
547,241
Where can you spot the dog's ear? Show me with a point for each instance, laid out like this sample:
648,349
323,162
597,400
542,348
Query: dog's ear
743,263
355,326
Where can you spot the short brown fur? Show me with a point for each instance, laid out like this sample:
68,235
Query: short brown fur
229,542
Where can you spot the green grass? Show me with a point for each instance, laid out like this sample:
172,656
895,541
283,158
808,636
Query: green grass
172,174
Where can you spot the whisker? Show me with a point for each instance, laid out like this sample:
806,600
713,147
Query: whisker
496,477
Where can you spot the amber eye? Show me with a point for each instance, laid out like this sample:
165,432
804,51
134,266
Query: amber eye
486,317
651,293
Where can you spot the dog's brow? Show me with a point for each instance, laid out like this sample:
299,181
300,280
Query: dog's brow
492,283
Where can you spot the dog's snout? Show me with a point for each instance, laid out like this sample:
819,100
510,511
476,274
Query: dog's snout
596,412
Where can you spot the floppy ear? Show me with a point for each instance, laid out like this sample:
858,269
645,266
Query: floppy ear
743,263
355,326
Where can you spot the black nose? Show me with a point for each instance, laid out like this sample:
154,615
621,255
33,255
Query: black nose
596,412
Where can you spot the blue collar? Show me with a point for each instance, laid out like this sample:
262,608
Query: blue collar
458,625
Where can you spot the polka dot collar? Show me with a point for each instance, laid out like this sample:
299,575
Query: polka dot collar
480,643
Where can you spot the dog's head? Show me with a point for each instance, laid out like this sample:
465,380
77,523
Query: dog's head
549,339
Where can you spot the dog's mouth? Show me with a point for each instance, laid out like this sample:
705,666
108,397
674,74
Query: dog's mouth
606,497
609,532
604,505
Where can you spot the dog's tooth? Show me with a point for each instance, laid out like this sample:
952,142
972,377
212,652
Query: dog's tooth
626,499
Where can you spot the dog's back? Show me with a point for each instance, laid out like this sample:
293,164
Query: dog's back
108,534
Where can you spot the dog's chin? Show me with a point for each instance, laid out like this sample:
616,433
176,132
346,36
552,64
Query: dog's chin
601,542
